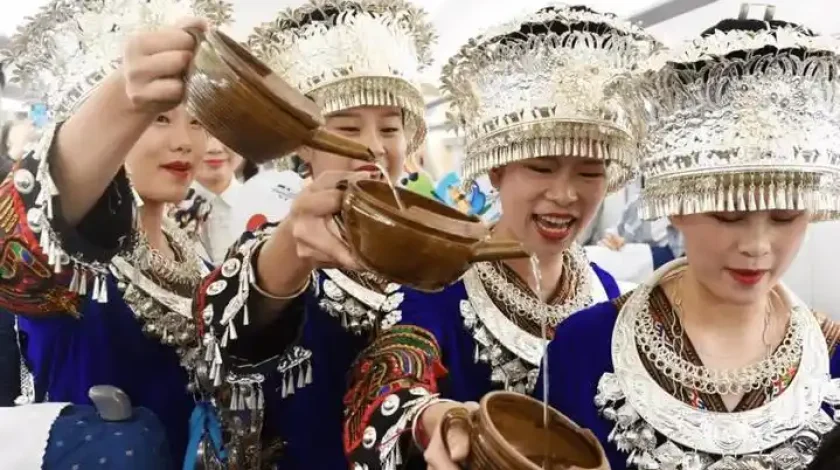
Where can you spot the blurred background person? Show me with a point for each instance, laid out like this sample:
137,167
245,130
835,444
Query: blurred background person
627,246
216,182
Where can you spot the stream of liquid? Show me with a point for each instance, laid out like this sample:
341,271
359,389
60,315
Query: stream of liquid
381,165
535,271
545,462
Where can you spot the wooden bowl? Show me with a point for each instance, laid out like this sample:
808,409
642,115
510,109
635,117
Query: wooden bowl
507,432
241,102
427,246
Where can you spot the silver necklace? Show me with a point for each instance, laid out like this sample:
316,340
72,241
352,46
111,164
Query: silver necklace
660,431
519,303
756,376
171,273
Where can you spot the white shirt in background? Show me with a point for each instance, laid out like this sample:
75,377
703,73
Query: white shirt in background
218,233
267,197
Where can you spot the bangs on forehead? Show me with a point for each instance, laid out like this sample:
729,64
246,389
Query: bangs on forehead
560,159
381,112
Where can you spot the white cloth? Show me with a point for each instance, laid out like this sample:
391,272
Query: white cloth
24,431
268,194
633,263
218,233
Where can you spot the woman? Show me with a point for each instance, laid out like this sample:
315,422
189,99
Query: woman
553,138
360,62
102,292
713,363
217,183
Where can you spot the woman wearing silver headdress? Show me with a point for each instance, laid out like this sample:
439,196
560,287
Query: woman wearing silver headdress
103,292
542,102
713,364
360,61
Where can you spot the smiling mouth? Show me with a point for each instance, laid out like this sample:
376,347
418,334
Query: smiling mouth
554,227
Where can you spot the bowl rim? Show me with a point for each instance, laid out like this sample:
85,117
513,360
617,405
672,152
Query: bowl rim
491,425
236,58
395,213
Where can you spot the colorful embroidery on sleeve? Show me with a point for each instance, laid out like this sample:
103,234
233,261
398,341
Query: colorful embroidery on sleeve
28,285
403,359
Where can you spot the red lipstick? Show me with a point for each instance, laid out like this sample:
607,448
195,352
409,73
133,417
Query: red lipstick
178,168
368,169
747,277
554,227
215,163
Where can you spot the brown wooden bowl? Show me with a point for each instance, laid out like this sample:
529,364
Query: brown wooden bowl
507,432
241,102
428,246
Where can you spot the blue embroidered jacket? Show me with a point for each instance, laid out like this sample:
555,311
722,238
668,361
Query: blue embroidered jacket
433,348
581,353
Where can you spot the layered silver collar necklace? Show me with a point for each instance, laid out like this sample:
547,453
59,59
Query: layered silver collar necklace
661,432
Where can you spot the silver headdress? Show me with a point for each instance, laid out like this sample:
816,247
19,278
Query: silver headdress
746,120
558,82
350,53
66,49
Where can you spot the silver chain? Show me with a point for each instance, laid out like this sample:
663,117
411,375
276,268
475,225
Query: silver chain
519,303
743,380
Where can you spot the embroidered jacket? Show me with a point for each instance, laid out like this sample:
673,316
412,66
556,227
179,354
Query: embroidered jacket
439,345
303,361
78,332
88,317
574,380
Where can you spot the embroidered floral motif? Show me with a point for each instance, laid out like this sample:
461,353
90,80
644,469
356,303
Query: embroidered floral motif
29,285
404,361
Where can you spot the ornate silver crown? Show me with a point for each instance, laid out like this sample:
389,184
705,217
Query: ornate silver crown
69,46
745,121
350,53
548,94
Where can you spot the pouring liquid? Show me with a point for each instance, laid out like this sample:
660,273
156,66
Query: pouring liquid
537,275
381,165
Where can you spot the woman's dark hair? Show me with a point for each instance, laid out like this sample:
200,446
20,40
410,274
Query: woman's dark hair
752,26
6,162
324,14
729,25
249,170
828,455
5,131
756,26
556,27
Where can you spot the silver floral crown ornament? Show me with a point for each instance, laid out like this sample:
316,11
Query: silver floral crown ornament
350,53
65,50
745,121
521,90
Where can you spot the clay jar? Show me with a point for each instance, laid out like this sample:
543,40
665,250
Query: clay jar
248,108
427,246
507,433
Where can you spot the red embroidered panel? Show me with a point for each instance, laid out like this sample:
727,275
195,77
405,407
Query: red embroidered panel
402,358
28,285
